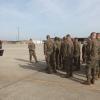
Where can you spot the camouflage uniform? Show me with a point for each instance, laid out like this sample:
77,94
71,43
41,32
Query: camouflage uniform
62,53
68,57
84,51
91,61
57,55
48,51
31,47
77,54
98,65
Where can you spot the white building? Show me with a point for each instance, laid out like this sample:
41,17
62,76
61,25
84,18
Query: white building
37,41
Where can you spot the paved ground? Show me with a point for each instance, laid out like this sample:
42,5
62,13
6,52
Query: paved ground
20,80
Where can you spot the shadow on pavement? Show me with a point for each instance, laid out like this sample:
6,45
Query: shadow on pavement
41,67
74,78
77,80
23,60
80,73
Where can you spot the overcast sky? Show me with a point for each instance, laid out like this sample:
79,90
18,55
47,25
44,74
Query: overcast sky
37,18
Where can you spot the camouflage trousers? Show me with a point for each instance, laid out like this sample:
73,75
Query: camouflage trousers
57,59
98,69
50,63
32,54
77,62
91,71
84,58
68,62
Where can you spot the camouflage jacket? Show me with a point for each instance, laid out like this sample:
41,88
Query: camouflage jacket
62,48
98,46
57,45
84,50
48,47
68,49
92,50
76,49
31,46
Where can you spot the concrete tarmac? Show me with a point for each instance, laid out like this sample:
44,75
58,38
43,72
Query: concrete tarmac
21,80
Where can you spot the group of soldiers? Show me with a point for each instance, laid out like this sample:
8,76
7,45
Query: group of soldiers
65,54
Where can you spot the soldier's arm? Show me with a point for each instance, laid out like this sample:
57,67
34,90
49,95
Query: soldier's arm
45,48
79,47
34,46
93,48
83,48
73,49
28,45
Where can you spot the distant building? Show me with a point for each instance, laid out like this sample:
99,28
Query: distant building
37,41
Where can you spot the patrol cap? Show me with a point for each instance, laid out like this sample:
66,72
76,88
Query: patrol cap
68,35
30,39
56,38
48,36
93,34
64,38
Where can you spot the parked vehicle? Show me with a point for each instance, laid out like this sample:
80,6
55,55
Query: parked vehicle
1,50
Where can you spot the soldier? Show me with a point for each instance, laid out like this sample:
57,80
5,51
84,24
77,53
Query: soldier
0,44
98,65
84,55
31,46
62,52
68,56
57,48
48,52
76,54
91,59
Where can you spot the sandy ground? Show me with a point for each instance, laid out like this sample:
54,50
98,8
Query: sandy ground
20,80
